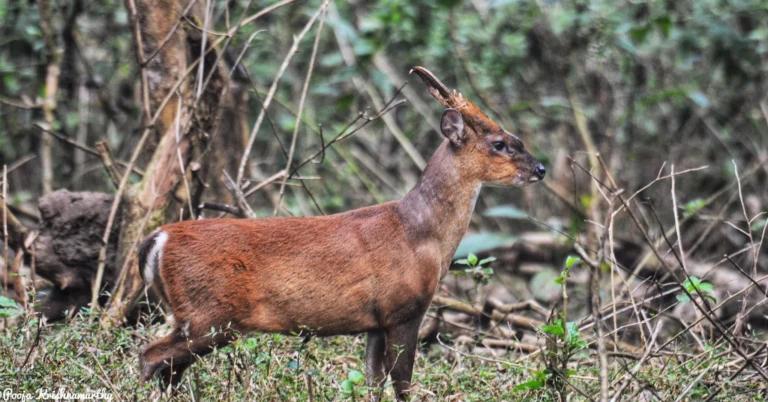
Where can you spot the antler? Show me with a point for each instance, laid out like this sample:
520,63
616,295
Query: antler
435,86
471,113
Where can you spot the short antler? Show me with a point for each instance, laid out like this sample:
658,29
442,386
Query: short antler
471,113
435,86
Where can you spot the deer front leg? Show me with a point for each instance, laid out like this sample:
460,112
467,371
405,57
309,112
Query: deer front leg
375,346
402,340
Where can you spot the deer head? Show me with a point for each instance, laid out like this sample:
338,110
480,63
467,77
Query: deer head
496,156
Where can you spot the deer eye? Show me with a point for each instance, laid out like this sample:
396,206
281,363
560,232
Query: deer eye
499,145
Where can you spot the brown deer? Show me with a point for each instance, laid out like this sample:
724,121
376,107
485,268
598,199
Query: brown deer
371,270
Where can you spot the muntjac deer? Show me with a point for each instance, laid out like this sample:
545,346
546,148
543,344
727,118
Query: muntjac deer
371,270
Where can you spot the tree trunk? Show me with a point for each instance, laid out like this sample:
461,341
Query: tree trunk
184,126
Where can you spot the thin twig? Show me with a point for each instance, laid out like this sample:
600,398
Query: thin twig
232,210
20,162
182,169
106,159
34,344
272,89
5,230
140,57
19,291
237,193
755,252
46,130
96,287
302,99
24,104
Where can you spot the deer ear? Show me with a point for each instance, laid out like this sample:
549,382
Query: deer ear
452,126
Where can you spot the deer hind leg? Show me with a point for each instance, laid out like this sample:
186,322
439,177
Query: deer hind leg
401,342
173,354
161,354
172,374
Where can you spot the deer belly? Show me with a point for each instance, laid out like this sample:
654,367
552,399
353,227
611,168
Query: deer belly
320,312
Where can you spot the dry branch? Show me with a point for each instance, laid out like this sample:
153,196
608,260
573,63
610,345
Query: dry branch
53,69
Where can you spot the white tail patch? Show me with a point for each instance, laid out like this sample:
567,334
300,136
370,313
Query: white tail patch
153,259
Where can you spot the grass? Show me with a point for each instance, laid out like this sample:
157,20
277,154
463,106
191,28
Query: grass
78,356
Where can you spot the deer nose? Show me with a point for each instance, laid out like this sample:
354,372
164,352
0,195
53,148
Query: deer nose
540,171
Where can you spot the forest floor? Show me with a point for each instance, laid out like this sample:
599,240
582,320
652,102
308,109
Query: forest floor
81,357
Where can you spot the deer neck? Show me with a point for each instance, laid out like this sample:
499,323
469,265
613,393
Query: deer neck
440,206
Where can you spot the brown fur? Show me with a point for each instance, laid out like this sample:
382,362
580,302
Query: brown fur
373,270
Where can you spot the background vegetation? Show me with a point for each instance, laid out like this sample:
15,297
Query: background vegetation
615,97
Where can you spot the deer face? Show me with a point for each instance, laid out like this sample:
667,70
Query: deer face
509,163
497,157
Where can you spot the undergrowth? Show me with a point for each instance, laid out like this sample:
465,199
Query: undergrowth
79,356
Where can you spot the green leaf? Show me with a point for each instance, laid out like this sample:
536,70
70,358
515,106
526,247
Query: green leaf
520,106
506,211
463,262
486,260
6,312
355,376
7,307
530,385
705,287
672,93
683,298
639,33
251,344
488,271
664,23
6,302
573,331
553,329
347,386
345,102
586,201
696,282
472,259
692,283
559,280
605,267
571,260
693,207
